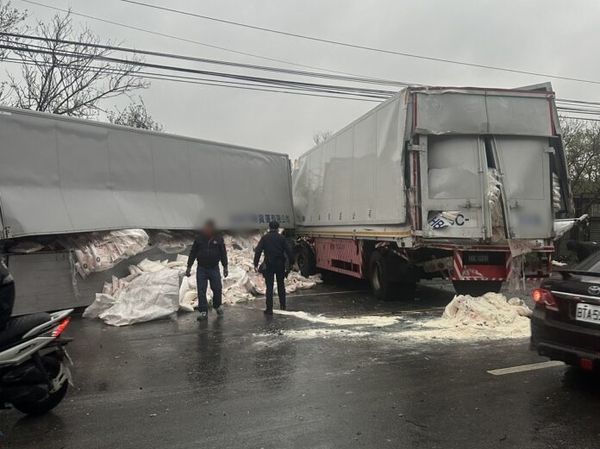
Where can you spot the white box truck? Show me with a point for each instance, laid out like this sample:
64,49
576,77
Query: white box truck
62,175
466,184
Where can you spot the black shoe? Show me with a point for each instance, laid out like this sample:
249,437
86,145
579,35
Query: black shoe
268,312
203,316
282,307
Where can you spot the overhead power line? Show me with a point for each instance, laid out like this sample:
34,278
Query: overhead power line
356,79
208,82
189,41
566,102
260,84
370,93
182,39
359,46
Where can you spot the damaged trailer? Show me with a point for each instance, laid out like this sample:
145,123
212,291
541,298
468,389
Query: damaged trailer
467,184
61,176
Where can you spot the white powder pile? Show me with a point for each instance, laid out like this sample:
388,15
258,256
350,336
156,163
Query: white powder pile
491,310
490,316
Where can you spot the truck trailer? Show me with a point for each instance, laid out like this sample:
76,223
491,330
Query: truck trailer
466,184
61,175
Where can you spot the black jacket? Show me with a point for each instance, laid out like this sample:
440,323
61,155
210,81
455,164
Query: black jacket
208,252
276,249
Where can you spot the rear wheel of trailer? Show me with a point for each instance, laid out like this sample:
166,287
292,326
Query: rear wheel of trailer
305,259
386,284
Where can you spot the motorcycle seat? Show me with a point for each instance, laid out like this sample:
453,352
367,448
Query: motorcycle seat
20,325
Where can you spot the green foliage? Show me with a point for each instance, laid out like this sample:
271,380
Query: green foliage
582,142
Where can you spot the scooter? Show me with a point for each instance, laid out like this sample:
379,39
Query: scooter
34,365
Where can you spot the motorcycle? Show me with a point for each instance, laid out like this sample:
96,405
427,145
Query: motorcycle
34,365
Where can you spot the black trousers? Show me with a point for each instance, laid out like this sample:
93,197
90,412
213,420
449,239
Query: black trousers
270,276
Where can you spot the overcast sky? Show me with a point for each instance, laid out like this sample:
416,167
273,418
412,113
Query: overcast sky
556,37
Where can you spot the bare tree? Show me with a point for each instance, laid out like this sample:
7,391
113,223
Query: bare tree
321,136
136,116
69,79
582,142
10,19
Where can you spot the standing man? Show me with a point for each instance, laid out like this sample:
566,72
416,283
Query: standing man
208,249
276,250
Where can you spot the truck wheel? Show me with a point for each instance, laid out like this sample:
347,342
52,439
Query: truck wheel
378,277
476,288
305,259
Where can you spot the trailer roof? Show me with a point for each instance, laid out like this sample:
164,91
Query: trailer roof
542,90
5,110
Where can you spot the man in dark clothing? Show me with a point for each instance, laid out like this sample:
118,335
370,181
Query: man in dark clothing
208,249
276,250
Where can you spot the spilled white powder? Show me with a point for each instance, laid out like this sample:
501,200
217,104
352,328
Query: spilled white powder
310,333
465,318
368,320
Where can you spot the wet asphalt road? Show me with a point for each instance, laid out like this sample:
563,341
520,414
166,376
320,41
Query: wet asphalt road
239,382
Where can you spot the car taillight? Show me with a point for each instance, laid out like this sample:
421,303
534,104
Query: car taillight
61,327
544,298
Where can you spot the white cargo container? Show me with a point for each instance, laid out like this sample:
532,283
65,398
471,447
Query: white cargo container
62,175
436,181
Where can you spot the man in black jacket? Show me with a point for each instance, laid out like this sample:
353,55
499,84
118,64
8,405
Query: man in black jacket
208,249
276,250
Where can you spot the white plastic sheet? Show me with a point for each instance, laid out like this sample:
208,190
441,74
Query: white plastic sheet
493,193
150,296
153,288
170,244
243,283
100,251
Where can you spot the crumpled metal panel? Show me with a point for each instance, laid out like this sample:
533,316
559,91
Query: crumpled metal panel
357,176
483,112
62,175
525,164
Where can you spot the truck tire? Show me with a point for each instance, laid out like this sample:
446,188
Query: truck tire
476,288
305,259
383,281
379,278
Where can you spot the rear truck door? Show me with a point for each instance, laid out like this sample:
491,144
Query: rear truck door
524,169
452,169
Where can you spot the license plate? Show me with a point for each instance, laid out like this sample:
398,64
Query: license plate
588,313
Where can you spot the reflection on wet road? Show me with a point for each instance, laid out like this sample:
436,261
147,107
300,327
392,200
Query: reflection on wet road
249,381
